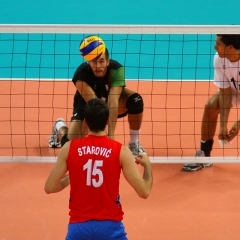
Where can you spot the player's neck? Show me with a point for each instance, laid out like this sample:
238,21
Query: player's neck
235,57
101,133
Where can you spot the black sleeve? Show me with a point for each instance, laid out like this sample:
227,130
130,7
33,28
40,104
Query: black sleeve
80,73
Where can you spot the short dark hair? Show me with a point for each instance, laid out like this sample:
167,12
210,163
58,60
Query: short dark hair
230,39
96,114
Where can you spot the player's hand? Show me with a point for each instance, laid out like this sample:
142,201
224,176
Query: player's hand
234,130
142,159
223,134
223,138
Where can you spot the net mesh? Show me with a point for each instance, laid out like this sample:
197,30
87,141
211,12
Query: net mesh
170,66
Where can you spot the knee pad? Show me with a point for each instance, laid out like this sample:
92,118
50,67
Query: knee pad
134,104
64,139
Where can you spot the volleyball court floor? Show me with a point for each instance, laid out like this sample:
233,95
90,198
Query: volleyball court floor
182,205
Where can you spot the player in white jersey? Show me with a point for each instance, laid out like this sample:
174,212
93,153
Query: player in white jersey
227,78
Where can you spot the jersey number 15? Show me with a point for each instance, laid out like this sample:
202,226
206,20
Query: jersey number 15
91,173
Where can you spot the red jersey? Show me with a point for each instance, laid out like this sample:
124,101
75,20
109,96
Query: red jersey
94,171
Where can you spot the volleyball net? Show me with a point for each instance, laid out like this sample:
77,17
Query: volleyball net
170,66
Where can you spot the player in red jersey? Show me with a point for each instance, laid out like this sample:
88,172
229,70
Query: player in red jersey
94,164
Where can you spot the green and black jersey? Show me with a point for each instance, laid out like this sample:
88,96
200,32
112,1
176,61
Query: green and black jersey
114,77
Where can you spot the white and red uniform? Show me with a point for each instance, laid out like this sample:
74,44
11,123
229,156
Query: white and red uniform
227,74
94,170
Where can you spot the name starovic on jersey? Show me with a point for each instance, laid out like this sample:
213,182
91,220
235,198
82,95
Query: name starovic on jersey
101,151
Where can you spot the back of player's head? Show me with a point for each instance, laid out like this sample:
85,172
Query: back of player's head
96,114
230,39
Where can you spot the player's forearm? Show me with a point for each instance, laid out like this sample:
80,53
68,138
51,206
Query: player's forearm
64,182
147,177
88,96
85,90
113,114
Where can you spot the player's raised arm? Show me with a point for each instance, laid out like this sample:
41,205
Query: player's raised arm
141,184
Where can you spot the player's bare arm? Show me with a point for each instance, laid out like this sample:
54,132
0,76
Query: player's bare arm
143,160
141,184
58,179
225,104
85,90
113,103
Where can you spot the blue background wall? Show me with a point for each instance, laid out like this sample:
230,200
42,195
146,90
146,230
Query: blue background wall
120,11
180,57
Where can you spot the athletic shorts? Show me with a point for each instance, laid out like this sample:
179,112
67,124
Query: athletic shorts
78,108
99,230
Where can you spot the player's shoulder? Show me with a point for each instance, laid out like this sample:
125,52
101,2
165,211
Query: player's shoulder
76,142
216,56
126,156
217,59
65,148
82,72
111,141
83,67
113,64
125,150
